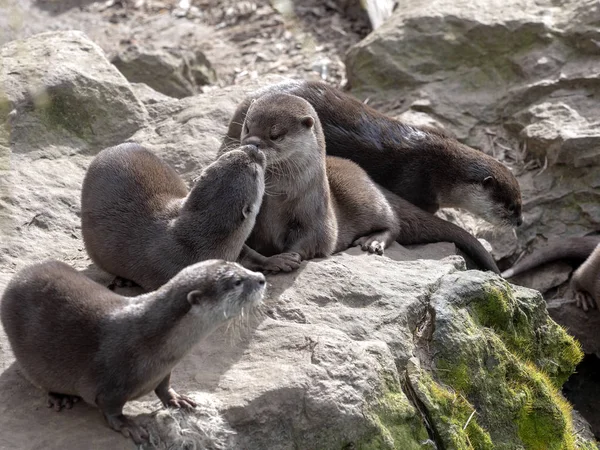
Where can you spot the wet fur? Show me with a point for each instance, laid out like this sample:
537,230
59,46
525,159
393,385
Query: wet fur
73,336
420,164
140,222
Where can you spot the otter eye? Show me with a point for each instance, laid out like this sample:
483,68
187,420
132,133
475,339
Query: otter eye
238,282
276,137
511,207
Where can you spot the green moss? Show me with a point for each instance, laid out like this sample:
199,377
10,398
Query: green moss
396,421
527,332
511,367
455,419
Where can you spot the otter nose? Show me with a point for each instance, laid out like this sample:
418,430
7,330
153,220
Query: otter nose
252,140
520,221
255,154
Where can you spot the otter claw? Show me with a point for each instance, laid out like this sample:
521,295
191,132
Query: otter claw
60,401
284,262
128,428
370,244
181,401
584,301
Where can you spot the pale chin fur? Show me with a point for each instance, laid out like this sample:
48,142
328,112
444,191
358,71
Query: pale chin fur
480,203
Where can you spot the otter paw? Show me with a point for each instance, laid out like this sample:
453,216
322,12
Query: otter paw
284,262
180,401
584,300
119,282
370,244
128,428
59,401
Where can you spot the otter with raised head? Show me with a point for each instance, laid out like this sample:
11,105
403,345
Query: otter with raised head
140,223
75,338
420,164
317,205
585,282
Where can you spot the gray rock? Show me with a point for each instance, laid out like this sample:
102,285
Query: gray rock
171,71
559,133
62,92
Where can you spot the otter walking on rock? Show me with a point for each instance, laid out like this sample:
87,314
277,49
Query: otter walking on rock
75,338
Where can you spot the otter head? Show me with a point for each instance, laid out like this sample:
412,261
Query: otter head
228,194
492,192
215,291
287,129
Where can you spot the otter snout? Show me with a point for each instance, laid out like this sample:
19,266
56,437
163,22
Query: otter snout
519,221
254,153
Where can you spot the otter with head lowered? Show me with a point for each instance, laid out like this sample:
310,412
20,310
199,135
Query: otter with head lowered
74,338
140,222
420,164
317,205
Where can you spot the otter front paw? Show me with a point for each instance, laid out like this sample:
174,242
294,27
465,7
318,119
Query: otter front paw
584,300
127,427
370,244
176,400
284,262
59,401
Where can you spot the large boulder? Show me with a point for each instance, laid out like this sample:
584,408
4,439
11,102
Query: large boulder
408,350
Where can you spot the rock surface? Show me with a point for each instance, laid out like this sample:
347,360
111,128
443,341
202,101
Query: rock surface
355,351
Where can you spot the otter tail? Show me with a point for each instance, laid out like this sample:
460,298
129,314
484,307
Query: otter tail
578,248
420,227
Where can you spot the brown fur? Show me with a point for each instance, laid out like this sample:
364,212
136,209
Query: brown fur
586,281
365,213
139,221
73,337
424,166
576,248
309,195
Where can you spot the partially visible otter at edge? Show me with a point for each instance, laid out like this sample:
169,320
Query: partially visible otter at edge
317,205
420,164
140,222
76,339
585,282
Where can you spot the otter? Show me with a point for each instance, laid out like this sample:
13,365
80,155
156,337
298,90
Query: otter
140,223
75,338
317,205
425,166
585,282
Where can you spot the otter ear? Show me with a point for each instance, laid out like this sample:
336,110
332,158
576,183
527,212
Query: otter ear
488,181
247,211
194,297
307,121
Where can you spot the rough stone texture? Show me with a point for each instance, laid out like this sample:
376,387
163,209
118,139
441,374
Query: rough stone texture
345,352
171,71
59,90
